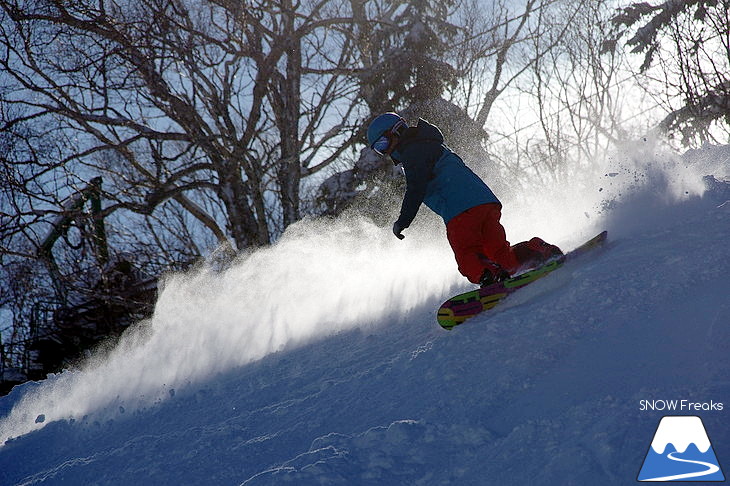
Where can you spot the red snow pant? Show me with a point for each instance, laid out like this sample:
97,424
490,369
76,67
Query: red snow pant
478,238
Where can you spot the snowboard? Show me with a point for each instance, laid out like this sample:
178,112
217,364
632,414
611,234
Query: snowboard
464,306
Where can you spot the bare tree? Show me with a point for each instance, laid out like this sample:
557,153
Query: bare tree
186,101
686,48
200,121
576,90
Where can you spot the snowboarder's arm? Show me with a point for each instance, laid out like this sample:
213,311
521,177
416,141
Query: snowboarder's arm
416,184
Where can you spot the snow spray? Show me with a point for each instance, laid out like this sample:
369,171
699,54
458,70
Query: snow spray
322,277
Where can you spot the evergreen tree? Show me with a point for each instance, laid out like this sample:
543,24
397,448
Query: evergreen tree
404,55
404,50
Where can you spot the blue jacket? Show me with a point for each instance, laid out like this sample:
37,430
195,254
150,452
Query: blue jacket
436,176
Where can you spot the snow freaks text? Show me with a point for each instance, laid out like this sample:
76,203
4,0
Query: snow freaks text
680,406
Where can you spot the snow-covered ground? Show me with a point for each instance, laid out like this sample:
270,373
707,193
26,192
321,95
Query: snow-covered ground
319,360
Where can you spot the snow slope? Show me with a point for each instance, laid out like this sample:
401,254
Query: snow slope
319,361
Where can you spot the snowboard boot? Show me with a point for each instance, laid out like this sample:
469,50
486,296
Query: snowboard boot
535,252
493,273
545,250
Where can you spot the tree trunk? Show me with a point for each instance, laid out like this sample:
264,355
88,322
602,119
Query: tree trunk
289,173
236,196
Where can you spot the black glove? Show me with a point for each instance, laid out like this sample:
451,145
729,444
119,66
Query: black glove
398,230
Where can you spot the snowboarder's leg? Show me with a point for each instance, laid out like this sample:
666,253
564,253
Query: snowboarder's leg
479,244
494,238
464,237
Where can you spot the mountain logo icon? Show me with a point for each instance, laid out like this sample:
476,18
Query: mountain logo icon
681,451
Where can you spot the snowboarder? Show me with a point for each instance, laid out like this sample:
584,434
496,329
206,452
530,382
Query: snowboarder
437,177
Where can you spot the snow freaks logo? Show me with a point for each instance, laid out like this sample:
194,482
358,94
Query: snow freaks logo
681,451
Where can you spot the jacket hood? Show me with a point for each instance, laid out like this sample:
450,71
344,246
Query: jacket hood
426,131
422,132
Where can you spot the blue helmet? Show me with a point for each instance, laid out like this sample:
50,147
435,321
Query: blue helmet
382,124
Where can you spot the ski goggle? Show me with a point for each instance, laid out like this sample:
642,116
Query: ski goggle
385,144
